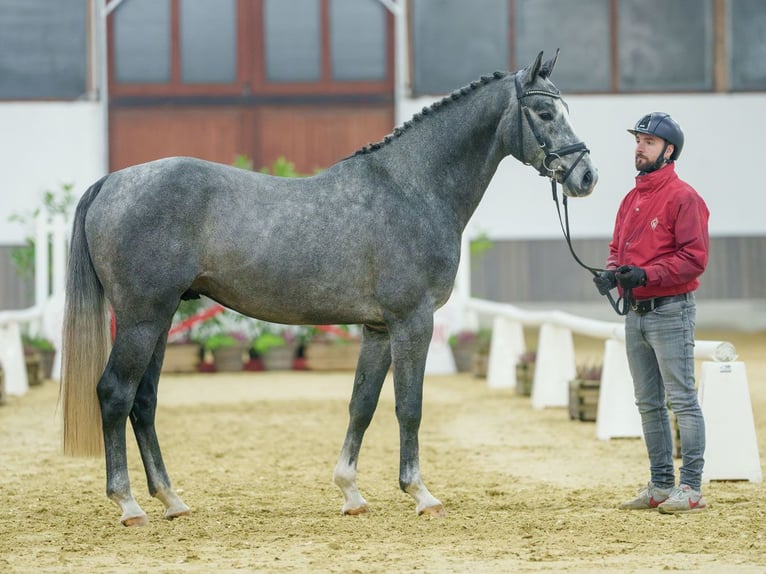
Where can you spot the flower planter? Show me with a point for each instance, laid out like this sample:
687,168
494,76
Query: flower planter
463,355
228,359
583,399
332,355
480,364
279,358
47,357
525,377
181,358
34,370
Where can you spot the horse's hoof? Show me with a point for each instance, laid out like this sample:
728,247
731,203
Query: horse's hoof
436,511
172,513
355,511
140,520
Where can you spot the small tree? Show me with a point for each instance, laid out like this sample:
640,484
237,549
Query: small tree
54,203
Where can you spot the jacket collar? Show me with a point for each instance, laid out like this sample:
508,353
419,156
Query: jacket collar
648,182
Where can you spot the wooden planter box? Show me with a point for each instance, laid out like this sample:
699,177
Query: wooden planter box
583,399
228,359
525,377
279,358
46,363
181,358
463,355
480,364
34,370
332,355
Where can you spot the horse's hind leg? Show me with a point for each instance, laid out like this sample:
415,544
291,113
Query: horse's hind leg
131,353
374,361
142,418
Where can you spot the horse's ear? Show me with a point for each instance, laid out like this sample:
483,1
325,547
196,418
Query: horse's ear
547,68
534,69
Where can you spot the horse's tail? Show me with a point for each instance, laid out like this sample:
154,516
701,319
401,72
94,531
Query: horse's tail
86,341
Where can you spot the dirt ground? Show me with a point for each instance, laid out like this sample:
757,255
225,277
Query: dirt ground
252,454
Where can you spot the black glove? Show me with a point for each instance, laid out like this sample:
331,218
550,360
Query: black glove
605,281
630,276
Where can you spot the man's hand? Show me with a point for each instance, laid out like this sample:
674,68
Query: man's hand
605,281
630,276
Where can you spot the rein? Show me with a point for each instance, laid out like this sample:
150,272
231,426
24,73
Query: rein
546,171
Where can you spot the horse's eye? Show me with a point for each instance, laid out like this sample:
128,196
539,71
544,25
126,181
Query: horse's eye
546,116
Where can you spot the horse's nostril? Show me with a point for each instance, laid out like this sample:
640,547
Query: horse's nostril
587,179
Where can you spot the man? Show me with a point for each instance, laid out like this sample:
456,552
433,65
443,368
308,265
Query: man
659,248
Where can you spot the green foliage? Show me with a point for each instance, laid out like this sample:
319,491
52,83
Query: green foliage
243,162
54,203
267,341
39,343
219,341
479,246
281,168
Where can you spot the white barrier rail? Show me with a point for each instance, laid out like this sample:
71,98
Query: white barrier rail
44,318
732,454
555,363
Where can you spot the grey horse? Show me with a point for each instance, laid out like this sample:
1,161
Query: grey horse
373,240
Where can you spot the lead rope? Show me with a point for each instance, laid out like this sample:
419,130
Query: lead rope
628,293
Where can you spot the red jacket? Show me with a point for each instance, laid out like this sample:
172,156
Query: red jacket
661,226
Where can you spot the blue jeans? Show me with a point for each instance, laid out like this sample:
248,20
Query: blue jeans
660,348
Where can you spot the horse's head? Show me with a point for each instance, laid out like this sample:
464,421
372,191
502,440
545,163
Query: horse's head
545,138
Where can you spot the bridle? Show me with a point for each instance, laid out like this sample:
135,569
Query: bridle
545,170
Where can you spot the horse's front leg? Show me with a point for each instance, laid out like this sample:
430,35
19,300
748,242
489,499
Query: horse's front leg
409,347
142,418
374,361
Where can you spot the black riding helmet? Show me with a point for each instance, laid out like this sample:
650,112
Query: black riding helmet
662,125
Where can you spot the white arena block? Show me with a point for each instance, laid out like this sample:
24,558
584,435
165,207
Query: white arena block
12,359
554,367
731,451
618,415
440,360
506,347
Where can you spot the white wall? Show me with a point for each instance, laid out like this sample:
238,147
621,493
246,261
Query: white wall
721,158
42,146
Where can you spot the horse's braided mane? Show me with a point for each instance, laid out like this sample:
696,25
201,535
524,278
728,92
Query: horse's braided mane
427,110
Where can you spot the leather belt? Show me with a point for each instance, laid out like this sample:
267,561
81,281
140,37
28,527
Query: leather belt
646,305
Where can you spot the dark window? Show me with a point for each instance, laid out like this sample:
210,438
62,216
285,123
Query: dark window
455,42
245,47
43,49
747,33
142,42
580,29
293,45
665,45
208,41
358,40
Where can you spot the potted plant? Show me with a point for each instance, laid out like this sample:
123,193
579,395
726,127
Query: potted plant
333,348
227,350
183,353
481,353
40,354
276,347
584,391
463,346
525,373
